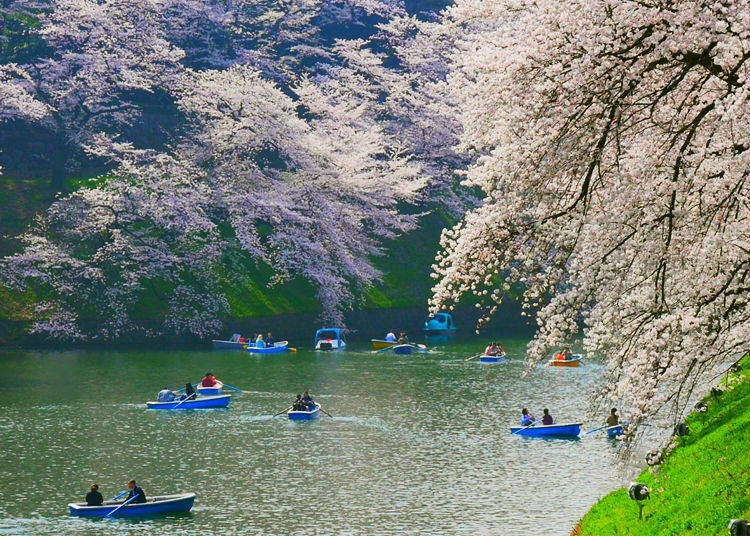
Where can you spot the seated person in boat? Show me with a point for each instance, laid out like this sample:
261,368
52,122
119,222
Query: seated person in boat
613,419
270,341
567,354
297,405
259,342
526,417
136,490
209,380
492,349
189,392
307,401
165,395
403,339
390,337
547,418
93,497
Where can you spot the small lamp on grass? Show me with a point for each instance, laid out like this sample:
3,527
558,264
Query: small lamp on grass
739,527
639,493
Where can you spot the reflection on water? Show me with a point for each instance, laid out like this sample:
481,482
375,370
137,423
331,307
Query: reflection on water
415,443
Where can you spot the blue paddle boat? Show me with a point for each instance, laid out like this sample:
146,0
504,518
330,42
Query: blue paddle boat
492,358
304,415
201,402
163,504
329,339
571,429
277,347
440,324
407,348
614,431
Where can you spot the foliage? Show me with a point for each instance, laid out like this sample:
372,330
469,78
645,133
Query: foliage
702,483
613,150
282,153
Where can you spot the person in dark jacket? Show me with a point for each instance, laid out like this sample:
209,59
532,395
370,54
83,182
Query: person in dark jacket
136,490
93,497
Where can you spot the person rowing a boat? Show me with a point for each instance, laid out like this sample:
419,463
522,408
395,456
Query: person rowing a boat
307,401
209,380
613,419
527,418
390,337
403,339
137,492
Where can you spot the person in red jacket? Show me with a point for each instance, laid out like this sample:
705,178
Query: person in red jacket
209,380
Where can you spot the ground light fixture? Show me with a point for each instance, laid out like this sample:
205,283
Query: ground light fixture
739,527
639,493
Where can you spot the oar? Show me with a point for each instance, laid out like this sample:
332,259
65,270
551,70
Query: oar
183,400
597,429
473,357
526,427
119,495
134,497
283,410
231,388
181,390
324,411
384,349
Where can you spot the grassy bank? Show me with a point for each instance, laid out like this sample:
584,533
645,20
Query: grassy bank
701,485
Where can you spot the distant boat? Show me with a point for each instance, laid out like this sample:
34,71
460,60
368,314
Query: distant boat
235,343
162,504
277,347
201,402
440,324
614,431
405,348
329,339
574,361
215,389
492,358
571,429
304,415
379,344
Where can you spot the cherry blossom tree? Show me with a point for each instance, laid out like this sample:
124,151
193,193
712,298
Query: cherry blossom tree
613,151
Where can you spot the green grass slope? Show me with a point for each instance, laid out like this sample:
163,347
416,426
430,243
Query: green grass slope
701,485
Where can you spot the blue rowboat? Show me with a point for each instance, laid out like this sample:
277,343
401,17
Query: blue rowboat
440,324
492,358
277,347
571,429
163,504
407,348
614,431
201,402
303,415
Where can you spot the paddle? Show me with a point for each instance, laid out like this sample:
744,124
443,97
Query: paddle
596,429
324,411
119,495
183,400
384,349
134,497
473,357
283,411
232,388
526,427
